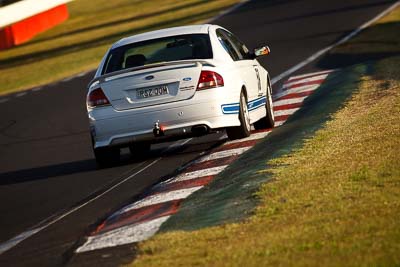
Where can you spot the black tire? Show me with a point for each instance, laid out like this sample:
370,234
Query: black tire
269,120
106,156
243,130
139,150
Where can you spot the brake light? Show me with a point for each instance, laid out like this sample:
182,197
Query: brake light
97,98
209,79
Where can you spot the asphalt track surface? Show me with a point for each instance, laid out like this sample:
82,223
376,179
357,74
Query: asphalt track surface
47,166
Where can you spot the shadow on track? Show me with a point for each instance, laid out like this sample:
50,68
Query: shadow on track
371,46
47,172
89,165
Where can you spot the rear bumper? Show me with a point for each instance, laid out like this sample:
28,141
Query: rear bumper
118,128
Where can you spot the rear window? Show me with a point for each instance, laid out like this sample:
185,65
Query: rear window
193,46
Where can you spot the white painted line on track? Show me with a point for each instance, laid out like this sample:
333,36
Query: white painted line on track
177,144
326,49
82,74
289,101
256,136
300,89
17,239
304,88
36,89
124,235
253,136
20,94
159,198
285,112
195,174
224,136
68,79
3,100
24,235
309,75
279,123
305,80
224,154
229,10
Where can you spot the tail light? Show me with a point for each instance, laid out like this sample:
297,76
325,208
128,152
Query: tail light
209,79
97,98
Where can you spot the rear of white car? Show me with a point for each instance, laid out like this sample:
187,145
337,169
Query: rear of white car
134,116
169,84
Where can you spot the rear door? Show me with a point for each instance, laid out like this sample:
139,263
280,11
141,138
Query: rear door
243,61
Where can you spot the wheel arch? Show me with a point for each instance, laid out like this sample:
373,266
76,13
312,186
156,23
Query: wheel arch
244,90
269,80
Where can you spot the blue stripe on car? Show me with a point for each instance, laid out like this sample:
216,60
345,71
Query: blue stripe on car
252,105
230,108
259,102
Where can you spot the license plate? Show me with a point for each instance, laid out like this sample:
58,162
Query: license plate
152,92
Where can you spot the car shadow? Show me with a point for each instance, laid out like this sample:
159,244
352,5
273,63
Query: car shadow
89,165
46,172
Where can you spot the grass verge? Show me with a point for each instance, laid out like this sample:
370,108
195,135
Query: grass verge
333,201
78,44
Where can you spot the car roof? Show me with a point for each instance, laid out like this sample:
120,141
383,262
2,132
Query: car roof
192,29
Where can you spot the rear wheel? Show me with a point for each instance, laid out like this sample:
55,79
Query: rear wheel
106,156
269,120
243,130
139,150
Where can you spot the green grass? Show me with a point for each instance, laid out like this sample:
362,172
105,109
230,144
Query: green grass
334,201
79,43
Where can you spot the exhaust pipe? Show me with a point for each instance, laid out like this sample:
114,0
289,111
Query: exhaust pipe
199,130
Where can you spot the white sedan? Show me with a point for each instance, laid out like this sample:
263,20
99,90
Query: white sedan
173,83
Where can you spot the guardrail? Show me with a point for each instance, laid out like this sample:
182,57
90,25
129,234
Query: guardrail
22,20
21,10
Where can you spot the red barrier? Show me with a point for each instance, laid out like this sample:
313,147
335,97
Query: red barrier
26,29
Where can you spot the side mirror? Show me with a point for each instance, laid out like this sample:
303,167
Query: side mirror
262,51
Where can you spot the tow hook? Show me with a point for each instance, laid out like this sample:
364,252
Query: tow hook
157,130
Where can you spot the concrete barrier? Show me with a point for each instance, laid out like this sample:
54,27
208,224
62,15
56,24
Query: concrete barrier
21,21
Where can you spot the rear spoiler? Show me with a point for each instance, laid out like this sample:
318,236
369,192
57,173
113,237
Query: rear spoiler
126,72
